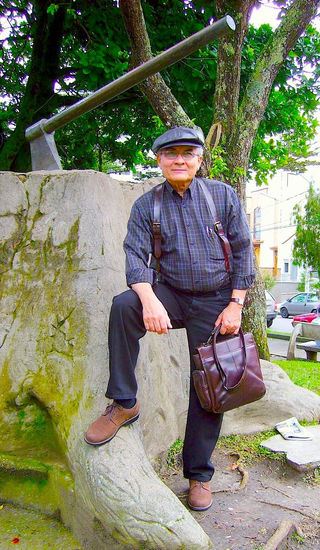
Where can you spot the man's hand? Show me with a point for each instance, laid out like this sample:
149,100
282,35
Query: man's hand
155,316
230,319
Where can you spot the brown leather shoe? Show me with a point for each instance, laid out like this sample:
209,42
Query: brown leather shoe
107,425
199,497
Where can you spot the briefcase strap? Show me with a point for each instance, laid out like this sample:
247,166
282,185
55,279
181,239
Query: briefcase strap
213,341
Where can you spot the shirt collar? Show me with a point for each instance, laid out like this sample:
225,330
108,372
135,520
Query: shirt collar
191,188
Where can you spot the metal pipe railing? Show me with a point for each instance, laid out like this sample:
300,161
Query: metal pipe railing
133,77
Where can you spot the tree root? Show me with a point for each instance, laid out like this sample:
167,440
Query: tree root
288,508
238,466
286,528
276,489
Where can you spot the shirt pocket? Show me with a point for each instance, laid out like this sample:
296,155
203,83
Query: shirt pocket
215,251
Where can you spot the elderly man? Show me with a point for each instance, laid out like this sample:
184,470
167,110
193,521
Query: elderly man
195,291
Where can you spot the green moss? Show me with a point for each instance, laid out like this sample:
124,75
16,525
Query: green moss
30,429
35,531
42,288
47,325
34,484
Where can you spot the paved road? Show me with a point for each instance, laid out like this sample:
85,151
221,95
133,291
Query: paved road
280,347
282,325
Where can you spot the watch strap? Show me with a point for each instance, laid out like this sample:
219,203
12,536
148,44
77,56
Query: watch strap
239,301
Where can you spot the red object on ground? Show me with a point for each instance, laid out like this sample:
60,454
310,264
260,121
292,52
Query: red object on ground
15,540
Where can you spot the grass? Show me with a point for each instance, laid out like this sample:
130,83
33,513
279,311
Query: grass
302,373
248,446
270,331
312,478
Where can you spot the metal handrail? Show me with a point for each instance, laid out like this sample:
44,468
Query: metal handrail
133,77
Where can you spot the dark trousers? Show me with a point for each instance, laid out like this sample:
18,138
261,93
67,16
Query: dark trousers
197,314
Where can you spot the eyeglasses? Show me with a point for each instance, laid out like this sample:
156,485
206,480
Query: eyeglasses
172,155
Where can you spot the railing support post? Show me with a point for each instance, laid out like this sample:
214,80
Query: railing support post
44,154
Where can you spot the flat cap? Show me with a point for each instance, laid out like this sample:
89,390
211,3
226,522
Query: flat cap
179,135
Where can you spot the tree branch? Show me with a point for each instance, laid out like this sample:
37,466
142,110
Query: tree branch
227,86
256,96
154,88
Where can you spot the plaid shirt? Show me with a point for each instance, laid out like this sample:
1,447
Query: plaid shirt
191,259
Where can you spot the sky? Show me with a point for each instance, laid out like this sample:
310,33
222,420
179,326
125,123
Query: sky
266,13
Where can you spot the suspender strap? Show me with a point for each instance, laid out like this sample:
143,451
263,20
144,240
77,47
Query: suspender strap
156,225
217,225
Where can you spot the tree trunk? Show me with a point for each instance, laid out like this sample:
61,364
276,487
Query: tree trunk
227,86
46,34
240,122
256,96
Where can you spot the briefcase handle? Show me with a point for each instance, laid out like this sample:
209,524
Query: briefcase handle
213,341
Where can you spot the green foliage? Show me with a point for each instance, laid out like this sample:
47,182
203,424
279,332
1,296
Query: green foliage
301,286
288,126
312,478
269,281
174,451
220,168
297,538
313,284
95,50
306,243
53,8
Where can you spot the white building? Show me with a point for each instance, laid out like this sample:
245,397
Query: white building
270,213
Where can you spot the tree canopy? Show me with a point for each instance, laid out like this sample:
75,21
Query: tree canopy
306,242
55,53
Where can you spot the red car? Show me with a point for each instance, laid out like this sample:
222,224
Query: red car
304,318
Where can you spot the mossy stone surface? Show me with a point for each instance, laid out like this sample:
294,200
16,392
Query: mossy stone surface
35,531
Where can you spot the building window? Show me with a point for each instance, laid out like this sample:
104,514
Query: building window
286,267
257,223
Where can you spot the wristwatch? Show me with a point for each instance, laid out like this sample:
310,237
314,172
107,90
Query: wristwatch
239,301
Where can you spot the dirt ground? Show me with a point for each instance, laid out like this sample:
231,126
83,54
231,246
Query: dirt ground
242,519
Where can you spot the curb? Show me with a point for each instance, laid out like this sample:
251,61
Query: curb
286,337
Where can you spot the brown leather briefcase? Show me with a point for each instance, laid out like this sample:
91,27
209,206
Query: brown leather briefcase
228,372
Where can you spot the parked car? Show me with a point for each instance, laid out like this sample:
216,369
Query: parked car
271,308
304,318
305,302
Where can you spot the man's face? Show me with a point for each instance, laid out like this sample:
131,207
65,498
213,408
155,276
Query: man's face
179,164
